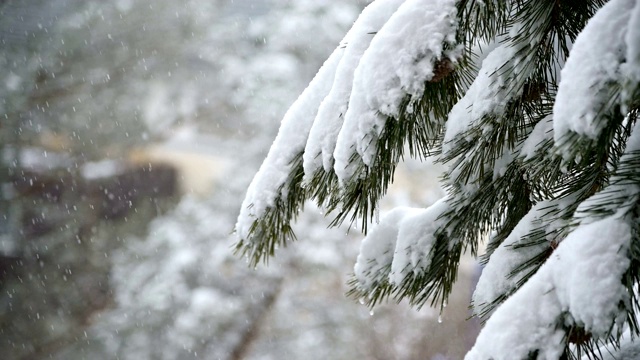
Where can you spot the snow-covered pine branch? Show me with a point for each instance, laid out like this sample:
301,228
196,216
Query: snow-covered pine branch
396,256
417,38
319,178
328,122
274,197
542,163
578,287
585,104
402,57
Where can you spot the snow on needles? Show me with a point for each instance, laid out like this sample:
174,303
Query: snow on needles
376,251
485,96
542,132
268,183
416,237
402,55
326,126
397,64
496,277
581,281
398,61
622,192
593,64
399,246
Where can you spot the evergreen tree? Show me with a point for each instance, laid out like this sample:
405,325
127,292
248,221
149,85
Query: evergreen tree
532,106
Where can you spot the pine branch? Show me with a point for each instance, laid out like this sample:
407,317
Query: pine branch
482,20
538,199
436,283
273,229
432,285
475,152
578,184
417,129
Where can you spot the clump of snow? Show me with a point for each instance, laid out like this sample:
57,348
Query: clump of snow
502,163
525,322
290,141
378,247
400,59
541,132
494,87
580,284
589,270
602,201
459,119
416,237
489,93
593,64
622,193
400,246
402,55
496,277
326,126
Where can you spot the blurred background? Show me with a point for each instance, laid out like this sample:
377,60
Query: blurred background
129,131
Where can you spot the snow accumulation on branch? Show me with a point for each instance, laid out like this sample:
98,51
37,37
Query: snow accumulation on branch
328,121
594,64
541,133
377,249
402,57
556,270
579,284
399,247
389,54
497,279
416,237
488,94
623,192
499,81
268,183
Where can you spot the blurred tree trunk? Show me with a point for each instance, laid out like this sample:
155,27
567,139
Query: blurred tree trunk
252,330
